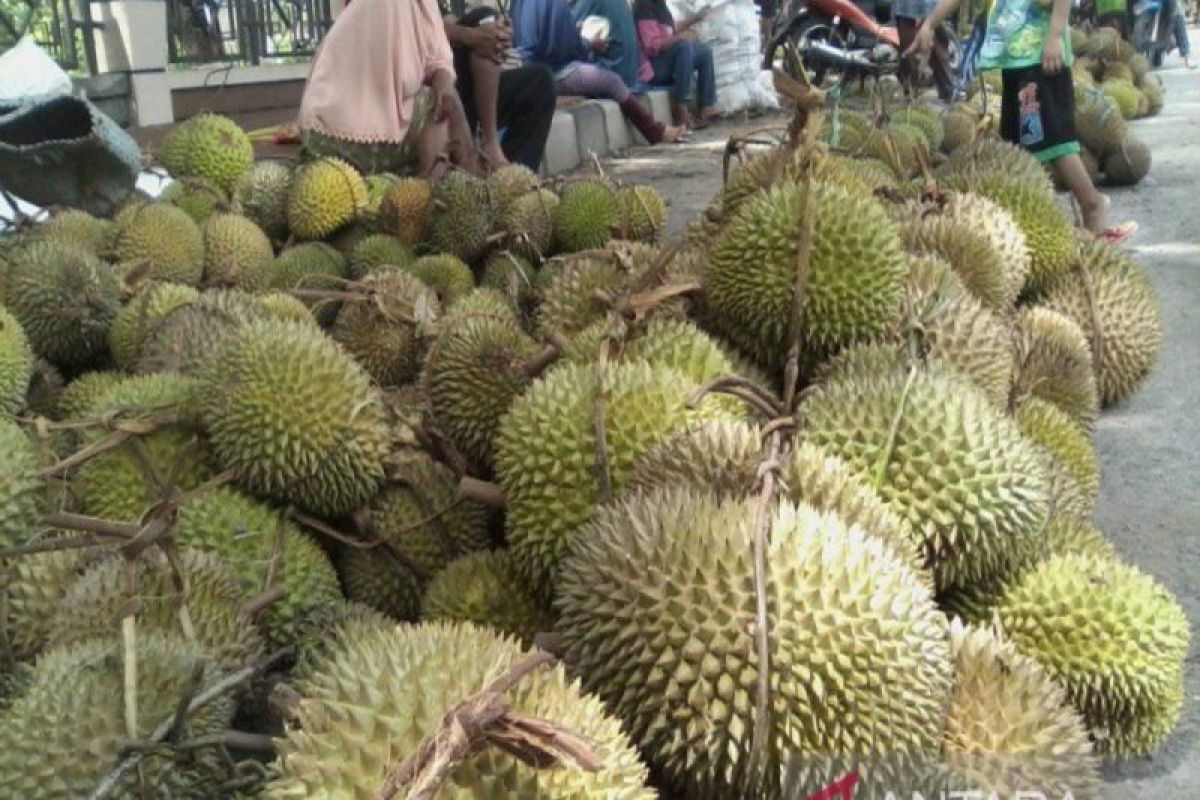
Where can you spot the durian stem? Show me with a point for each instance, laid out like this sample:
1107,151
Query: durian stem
483,492
260,602
100,527
129,641
48,546
112,781
124,429
237,740
538,364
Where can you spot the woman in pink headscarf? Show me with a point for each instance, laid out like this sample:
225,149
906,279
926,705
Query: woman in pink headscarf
381,91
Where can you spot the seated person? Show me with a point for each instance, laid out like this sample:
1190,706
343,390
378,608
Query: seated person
544,32
621,54
381,94
520,100
671,56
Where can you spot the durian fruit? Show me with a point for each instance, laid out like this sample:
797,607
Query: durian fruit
208,146
378,186
262,196
1048,231
312,266
991,156
266,550
586,215
85,390
121,484
926,119
447,275
1103,41
759,173
665,342
292,415
1009,726
81,229
280,305
1070,447
196,196
75,703
1076,536
569,303
1053,361
404,211
901,146
474,370
46,386
722,459
236,253
421,525
325,196
1101,127
863,176
188,336
65,299
643,214
1124,94
357,718
981,242
1128,164
529,223
16,363
377,250
508,183
385,331
29,596
1109,297
657,612
1117,646
1154,97
461,216
854,281
206,608
487,589
162,242
915,434
140,315
513,276
23,492
960,127
324,632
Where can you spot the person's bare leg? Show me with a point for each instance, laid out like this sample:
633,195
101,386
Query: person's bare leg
461,145
1092,203
485,76
431,147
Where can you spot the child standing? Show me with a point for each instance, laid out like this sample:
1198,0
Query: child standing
1029,43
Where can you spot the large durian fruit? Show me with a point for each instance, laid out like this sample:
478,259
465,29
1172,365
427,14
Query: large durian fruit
294,417
139,317
486,588
23,491
417,526
236,253
261,195
404,210
657,612
1052,361
586,215
208,146
1010,727
161,242
326,195
386,328
1072,456
1114,302
67,727
1117,647
186,337
854,279
196,196
462,215
555,467
940,452
314,267
370,702
81,229
16,363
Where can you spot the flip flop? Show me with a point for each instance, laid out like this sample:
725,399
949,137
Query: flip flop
1116,234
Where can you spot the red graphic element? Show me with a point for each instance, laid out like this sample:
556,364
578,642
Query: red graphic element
843,788
1028,99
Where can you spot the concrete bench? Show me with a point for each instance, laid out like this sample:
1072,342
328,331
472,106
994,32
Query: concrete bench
596,126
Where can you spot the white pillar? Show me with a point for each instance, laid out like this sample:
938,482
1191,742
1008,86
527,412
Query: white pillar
134,40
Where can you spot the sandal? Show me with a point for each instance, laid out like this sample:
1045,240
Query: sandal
1116,234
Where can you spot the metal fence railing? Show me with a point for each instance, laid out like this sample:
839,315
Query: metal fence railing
244,31
63,28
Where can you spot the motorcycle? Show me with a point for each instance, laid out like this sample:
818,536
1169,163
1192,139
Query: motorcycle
837,40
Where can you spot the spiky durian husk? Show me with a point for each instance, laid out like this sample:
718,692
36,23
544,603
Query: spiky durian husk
398,683
378,250
208,146
22,489
569,303
46,386
546,451
1053,362
1113,301
326,195
423,525
121,484
529,223
261,195
508,183
951,463
643,214
472,374
385,330
927,120
236,253
447,275
198,198
657,604
16,363
665,342
29,597
486,588
65,299
85,390
80,229
313,266
461,218
93,606
1010,727
1112,637
75,703
404,211
960,126
514,277
855,272
163,241
587,213
1067,444
188,336
141,315
281,305
266,550
294,417
993,155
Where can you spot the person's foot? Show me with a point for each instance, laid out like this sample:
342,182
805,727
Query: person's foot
567,100
674,134
1095,214
493,155
1187,63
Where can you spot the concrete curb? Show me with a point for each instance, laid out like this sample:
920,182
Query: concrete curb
599,127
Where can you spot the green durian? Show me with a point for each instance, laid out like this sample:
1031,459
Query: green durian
261,195
16,363
326,195
462,216
162,242
586,215
208,146
385,331
140,315
1053,362
236,253
487,589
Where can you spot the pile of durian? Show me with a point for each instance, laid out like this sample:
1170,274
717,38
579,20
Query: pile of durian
390,432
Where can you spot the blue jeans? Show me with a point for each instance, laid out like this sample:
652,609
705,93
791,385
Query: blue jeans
674,67
1179,29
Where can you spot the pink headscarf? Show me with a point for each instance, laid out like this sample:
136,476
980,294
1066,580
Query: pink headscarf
370,66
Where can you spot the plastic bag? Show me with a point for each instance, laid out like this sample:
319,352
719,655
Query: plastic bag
27,72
